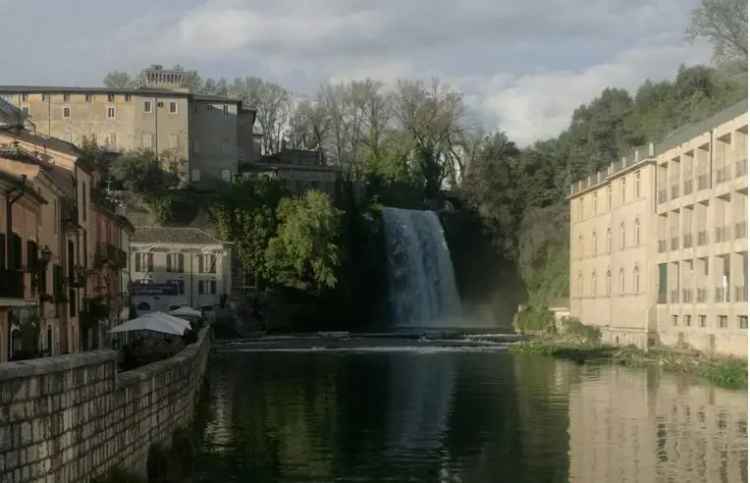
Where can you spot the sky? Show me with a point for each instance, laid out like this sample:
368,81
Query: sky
523,65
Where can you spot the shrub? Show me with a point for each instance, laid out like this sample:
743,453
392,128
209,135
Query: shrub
575,328
535,319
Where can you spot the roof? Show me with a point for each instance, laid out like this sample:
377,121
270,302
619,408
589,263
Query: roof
54,144
10,115
162,234
138,91
20,183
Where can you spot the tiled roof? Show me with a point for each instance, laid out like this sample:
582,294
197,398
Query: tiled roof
186,235
137,91
42,141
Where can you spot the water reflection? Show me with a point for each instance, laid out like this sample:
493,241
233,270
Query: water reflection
462,417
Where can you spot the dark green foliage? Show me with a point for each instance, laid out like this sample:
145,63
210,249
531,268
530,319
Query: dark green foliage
142,172
118,475
535,319
573,327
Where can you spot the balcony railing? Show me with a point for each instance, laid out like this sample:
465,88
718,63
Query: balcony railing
703,182
740,230
110,255
721,234
675,243
722,295
687,295
662,246
687,240
675,191
11,284
662,196
722,174
700,295
674,296
740,293
661,298
688,187
740,168
702,238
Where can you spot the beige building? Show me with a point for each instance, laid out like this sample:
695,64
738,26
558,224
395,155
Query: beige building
203,138
658,241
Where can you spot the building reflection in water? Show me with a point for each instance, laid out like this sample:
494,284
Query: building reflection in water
625,426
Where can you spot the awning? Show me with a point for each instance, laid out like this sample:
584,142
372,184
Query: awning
154,322
186,311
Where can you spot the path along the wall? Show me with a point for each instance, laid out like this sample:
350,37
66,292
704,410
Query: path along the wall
71,418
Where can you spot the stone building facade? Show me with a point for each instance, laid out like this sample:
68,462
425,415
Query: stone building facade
172,267
202,138
659,241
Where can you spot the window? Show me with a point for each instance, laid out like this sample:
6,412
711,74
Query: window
637,235
72,302
196,146
622,281
173,107
144,262
147,140
127,97
609,197
147,106
207,263
24,97
110,112
596,204
66,112
622,189
594,247
196,175
84,205
686,320
89,98
580,284
110,98
226,175
636,280
702,320
580,246
66,97
723,321
44,97
609,240
637,184
175,262
675,320
742,320
622,236
593,284
213,287
609,282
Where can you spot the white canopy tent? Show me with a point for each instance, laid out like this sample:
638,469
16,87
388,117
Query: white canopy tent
154,322
186,311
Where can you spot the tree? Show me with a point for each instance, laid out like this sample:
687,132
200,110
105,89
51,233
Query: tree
272,103
141,172
245,214
432,118
724,24
306,251
119,80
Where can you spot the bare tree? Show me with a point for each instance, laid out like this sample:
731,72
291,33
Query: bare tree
273,108
308,127
724,24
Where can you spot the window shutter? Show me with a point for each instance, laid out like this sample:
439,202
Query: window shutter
212,259
169,262
150,262
16,252
138,260
2,252
200,263
181,262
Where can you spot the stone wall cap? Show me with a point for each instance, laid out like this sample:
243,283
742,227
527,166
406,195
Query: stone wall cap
47,365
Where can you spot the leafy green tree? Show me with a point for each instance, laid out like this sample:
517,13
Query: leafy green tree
306,252
142,172
724,24
119,80
245,213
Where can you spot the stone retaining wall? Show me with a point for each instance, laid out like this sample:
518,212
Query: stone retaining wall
71,418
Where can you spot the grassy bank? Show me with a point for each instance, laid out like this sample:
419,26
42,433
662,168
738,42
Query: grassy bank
722,371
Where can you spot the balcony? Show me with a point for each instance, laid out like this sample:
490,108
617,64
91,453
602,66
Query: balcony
662,246
740,230
675,191
675,243
740,168
661,298
111,256
687,296
702,238
703,182
740,293
69,212
687,240
721,234
722,295
662,196
674,296
688,187
11,284
700,295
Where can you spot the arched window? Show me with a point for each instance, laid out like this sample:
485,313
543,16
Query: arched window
622,236
622,189
594,245
593,284
580,284
596,205
637,184
637,235
609,240
580,246
609,282
609,197
622,280
636,280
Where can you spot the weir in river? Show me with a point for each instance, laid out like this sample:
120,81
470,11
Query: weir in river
421,283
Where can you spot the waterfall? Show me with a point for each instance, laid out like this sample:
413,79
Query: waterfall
421,284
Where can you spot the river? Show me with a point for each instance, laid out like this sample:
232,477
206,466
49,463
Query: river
461,415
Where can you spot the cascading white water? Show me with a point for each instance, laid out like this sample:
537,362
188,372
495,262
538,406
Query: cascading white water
421,283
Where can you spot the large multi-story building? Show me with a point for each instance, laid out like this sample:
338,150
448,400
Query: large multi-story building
203,138
659,241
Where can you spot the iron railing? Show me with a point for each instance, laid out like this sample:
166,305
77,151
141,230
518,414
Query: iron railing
674,296
687,295
740,293
722,295
700,295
